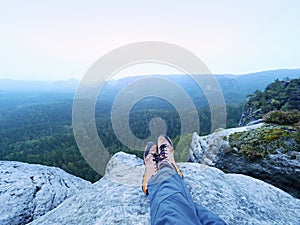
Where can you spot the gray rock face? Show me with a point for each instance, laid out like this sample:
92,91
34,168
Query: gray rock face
117,197
280,168
205,150
28,191
250,115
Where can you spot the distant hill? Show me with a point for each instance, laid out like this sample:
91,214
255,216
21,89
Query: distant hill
237,86
38,86
259,80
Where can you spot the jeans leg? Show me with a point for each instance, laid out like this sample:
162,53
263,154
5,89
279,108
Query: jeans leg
171,202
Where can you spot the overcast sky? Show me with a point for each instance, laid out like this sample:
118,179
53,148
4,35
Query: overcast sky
59,39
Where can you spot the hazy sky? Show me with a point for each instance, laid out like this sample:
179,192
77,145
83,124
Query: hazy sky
51,40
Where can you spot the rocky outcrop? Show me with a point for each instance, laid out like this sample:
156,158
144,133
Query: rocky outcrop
254,109
28,191
205,149
267,152
279,95
117,197
250,115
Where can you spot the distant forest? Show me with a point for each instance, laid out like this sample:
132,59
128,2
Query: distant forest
39,130
36,127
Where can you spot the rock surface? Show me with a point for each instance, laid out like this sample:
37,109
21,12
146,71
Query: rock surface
28,191
117,197
277,160
249,116
205,149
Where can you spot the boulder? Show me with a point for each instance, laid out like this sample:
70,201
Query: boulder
28,191
267,152
205,149
117,198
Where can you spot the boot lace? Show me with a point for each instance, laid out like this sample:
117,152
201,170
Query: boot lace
162,155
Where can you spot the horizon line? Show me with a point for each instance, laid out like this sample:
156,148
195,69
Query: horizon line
152,74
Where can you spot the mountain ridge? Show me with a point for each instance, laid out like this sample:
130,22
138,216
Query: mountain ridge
260,79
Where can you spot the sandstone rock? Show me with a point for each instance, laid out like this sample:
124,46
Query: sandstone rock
28,191
278,164
254,122
205,149
117,197
250,116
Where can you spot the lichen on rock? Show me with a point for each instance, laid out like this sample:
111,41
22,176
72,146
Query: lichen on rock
266,140
268,152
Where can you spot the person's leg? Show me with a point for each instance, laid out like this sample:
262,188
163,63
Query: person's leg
170,200
206,217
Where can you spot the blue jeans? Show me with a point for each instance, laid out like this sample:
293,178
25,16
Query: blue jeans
171,202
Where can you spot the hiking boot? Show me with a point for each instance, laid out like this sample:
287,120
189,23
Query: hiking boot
150,160
166,153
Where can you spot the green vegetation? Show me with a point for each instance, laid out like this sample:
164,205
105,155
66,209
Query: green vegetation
37,128
279,95
283,117
182,149
42,133
279,106
268,139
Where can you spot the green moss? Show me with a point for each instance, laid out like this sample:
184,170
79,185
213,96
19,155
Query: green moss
296,137
224,138
273,134
261,142
250,152
293,156
283,117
